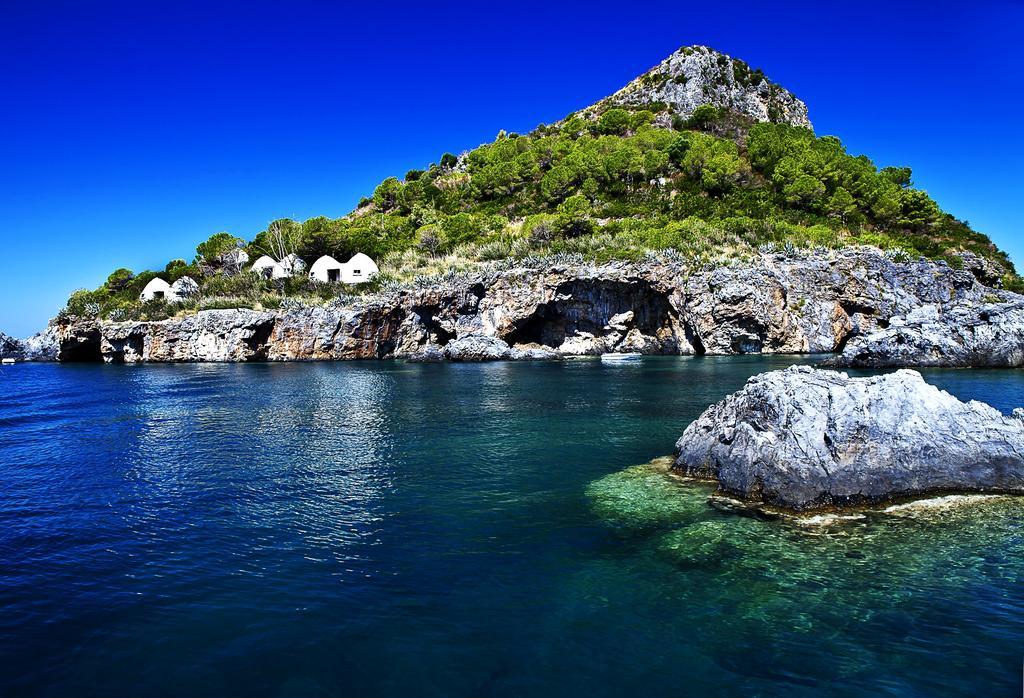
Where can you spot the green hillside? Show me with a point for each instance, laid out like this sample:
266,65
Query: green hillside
610,182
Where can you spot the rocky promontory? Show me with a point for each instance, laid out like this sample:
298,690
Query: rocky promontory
803,302
804,438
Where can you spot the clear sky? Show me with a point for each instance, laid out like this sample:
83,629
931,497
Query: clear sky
131,131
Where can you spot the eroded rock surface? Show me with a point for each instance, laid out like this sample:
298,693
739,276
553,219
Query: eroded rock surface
42,346
698,75
959,335
811,302
805,438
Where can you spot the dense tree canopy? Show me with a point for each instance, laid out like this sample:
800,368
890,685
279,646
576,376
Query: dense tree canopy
616,184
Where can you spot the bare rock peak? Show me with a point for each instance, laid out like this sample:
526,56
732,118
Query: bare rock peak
696,75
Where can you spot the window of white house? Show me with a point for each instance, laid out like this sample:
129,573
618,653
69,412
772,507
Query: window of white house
357,272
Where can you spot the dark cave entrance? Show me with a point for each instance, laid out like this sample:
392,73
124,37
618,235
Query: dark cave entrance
81,348
583,306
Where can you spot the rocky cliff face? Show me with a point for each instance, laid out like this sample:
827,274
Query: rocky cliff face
984,334
775,304
697,75
9,346
42,346
803,438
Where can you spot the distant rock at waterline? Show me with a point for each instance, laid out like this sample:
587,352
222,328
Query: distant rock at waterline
805,438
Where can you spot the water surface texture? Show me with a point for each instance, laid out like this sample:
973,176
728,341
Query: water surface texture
383,528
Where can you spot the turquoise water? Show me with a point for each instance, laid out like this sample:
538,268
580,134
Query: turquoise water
394,529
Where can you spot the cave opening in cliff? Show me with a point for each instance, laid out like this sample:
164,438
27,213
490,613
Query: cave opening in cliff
595,308
259,341
81,348
427,317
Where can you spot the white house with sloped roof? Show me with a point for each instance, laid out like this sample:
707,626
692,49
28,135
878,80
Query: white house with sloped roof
157,288
268,267
358,269
355,271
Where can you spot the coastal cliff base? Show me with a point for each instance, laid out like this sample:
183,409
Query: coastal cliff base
830,302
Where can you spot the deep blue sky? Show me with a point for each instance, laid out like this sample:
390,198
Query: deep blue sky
132,131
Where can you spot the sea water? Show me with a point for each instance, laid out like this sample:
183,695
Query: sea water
382,528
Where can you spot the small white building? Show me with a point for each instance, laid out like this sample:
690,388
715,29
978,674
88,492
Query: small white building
358,269
355,271
156,289
267,267
185,287
293,264
326,269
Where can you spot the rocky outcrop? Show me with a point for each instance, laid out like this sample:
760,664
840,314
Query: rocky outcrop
775,303
484,348
9,347
477,348
805,438
42,346
989,334
697,75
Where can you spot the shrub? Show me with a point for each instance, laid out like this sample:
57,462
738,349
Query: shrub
218,244
614,122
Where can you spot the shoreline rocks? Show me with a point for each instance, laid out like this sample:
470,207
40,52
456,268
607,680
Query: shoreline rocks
810,302
805,438
987,335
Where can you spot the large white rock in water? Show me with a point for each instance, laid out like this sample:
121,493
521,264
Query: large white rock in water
804,438
477,348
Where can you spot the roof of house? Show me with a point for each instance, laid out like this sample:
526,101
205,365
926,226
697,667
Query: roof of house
264,261
157,284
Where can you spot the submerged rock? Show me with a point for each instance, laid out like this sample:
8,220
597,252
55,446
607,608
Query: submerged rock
804,438
429,355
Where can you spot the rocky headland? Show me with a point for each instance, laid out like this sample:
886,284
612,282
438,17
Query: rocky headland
870,309
804,438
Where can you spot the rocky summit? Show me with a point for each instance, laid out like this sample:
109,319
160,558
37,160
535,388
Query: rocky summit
774,303
697,75
805,438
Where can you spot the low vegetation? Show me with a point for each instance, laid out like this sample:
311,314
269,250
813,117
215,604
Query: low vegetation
605,184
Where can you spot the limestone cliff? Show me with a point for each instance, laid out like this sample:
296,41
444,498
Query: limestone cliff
773,304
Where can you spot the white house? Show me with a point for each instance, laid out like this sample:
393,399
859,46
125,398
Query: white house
157,288
293,264
266,266
290,265
185,287
356,270
326,269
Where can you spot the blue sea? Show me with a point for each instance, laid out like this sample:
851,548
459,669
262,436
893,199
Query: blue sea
390,529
